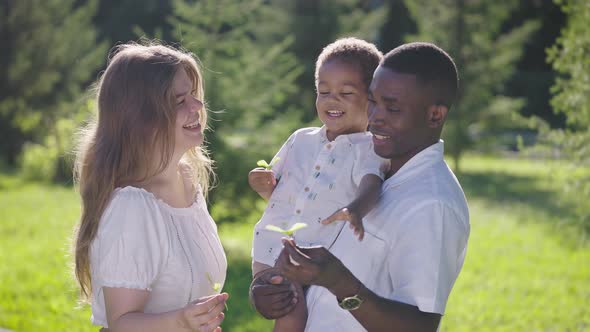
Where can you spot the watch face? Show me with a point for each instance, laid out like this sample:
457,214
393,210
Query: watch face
351,303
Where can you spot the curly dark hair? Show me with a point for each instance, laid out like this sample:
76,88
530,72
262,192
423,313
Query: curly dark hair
433,67
355,51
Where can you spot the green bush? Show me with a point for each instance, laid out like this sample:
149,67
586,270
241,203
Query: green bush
50,160
38,162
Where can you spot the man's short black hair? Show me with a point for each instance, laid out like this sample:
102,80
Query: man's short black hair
433,68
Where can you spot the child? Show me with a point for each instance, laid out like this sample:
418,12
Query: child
147,254
322,170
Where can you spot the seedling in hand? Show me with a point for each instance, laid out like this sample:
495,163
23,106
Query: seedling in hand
215,286
289,232
267,166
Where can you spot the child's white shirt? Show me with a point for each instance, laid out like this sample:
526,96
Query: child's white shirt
316,177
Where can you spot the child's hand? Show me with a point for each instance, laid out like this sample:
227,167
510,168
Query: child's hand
262,181
352,217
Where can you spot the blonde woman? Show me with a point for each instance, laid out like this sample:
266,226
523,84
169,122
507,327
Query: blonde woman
147,253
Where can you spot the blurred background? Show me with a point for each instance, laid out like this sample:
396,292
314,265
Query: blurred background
517,138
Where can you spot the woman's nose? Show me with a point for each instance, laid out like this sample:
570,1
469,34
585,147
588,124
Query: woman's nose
196,104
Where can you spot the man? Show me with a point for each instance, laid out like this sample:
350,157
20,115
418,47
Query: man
400,276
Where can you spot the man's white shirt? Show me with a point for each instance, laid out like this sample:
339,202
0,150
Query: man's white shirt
414,245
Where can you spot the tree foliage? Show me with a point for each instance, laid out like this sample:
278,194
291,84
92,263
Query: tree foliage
569,57
486,53
315,24
249,75
49,53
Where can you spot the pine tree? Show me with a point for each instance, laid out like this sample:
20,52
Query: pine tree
49,53
249,75
315,24
569,57
485,53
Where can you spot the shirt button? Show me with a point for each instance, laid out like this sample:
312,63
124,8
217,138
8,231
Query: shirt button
317,167
306,189
329,146
298,211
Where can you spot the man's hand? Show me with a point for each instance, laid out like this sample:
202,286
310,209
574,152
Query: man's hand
296,320
317,266
273,295
262,181
347,214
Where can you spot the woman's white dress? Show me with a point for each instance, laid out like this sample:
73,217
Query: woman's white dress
144,243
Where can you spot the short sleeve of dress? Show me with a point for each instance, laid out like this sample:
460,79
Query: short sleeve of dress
368,162
130,247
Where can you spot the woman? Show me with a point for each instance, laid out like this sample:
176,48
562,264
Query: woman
147,253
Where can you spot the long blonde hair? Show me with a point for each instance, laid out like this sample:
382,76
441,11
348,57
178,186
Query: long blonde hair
135,118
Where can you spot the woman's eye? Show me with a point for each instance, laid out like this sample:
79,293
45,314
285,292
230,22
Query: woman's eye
393,110
180,102
346,93
323,92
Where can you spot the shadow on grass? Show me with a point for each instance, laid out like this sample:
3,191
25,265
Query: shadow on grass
502,188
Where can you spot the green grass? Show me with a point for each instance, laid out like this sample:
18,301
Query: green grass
527,267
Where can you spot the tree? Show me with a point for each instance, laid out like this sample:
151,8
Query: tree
485,53
249,75
121,20
49,53
315,24
571,97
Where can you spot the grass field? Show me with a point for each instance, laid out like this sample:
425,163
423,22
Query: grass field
527,268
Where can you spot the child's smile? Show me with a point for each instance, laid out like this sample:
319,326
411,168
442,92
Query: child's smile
335,114
341,100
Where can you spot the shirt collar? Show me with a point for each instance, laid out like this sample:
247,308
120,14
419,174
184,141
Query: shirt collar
417,164
348,138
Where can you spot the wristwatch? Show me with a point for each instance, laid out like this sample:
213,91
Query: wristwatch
351,302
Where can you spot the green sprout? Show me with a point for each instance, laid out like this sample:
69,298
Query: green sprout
215,286
289,232
267,166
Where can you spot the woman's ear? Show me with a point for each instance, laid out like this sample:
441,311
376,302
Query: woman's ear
436,115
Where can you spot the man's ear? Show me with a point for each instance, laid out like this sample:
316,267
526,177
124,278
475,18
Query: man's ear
436,115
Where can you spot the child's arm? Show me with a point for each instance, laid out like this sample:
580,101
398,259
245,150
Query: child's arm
367,196
262,181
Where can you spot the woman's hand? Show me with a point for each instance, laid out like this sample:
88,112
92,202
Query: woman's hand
204,314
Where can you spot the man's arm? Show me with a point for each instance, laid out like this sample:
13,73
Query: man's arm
319,267
380,314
